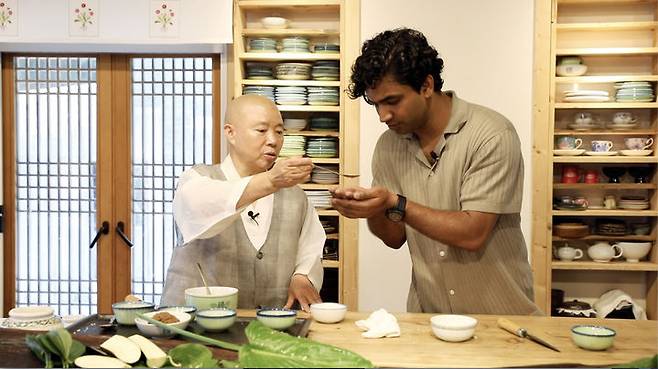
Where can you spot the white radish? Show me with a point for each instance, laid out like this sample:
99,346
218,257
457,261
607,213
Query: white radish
98,361
123,348
155,357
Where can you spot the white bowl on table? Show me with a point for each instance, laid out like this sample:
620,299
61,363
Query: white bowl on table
216,319
152,330
279,319
453,328
328,312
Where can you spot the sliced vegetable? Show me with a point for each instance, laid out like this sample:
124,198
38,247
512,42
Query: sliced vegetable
123,348
155,357
98,361
192,355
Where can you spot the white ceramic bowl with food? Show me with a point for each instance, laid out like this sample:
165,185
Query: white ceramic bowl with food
217,319
274,22
152,330
328,312
219,297
592,337
279,319
125,312
180,308
452,327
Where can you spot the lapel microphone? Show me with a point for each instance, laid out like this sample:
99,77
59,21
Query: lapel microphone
253,216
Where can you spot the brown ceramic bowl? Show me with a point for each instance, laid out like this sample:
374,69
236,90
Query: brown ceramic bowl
571,230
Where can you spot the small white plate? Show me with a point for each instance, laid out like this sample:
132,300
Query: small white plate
635,152
585,93
563,152
601,153
588,98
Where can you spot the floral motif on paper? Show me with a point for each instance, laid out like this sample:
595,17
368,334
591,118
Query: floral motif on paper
164,16
6,15
84,15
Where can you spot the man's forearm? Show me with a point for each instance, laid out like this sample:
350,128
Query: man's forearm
393,234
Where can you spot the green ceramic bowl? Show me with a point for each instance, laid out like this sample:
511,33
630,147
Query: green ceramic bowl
277,318
125,312
216,319
220,297
592,337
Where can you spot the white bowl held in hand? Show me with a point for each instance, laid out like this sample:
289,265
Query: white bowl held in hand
453,328
328,312
274,22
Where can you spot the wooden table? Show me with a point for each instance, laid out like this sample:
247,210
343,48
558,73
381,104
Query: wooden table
491,346
418,347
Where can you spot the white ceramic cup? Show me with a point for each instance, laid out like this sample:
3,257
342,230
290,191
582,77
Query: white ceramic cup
638,143
601,145
623,117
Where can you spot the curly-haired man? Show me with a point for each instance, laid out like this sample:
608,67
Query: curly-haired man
447,180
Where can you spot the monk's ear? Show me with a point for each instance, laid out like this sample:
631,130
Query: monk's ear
229,132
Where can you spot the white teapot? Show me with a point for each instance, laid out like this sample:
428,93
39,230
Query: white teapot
566,253
602,252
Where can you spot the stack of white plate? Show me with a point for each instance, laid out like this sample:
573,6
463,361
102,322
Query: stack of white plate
322,147
326,70
293,71
295,44
294,124
586,96
319,199
326,47
640,91
323,96
633,203
324,124
262,45
267,91
321,176
259,71
290,95
293,146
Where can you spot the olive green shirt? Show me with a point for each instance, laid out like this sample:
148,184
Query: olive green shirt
479,167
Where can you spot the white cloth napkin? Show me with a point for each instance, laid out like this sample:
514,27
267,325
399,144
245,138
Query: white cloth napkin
379,324
617,299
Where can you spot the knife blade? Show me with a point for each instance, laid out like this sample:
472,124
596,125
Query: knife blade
517,330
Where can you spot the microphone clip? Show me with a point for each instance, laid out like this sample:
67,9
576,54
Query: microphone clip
253,216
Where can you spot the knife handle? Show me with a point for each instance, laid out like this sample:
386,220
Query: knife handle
511,327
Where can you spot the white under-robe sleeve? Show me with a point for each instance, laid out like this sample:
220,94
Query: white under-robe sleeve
204,207
311,244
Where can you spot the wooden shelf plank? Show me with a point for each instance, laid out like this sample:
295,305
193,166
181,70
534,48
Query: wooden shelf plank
295,4
607,26
291,32
608,51
612,265
589,2
332,236
331,263
328,213
607,78
605,159
605,213
607,105
596,237
605,186
316,186
289,56
288,82
632,132
312,133
316,108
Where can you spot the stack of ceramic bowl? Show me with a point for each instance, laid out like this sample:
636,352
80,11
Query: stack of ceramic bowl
324,124
326,48
259,71
319,199
32,318
293,146
262,45
323,95
322,147
328,226
294,124
267,91
640,91
326,70
290,95
633,203
293,71
586,96
321,176
295,44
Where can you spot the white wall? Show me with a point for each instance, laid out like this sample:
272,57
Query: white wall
487,50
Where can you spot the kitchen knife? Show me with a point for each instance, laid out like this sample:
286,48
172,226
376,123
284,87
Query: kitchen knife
515,329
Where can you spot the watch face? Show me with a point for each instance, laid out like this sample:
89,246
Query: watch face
394,215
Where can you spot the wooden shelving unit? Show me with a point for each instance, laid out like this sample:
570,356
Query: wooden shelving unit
335,21
617,40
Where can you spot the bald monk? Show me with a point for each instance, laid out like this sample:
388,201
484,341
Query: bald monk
246,220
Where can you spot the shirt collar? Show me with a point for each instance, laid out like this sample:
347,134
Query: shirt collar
458,116
228,167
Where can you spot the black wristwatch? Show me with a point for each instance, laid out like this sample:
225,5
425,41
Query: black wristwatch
396,214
